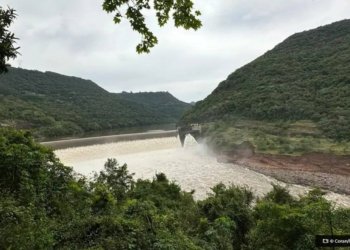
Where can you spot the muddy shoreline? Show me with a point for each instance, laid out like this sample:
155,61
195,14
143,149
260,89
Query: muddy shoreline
325,171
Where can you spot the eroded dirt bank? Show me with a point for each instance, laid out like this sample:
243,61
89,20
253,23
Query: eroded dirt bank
326,171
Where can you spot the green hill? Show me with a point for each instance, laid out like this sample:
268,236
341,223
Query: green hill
162,103
302,82
54,105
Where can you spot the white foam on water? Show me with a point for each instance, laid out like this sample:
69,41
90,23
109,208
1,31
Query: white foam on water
193,167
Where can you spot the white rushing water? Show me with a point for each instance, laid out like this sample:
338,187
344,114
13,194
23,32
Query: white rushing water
192,167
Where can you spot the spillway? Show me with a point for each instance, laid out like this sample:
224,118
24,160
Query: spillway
193,167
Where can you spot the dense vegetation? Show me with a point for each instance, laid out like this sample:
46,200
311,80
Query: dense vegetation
161,103
45,205
303,80
281,137
54,105
8,47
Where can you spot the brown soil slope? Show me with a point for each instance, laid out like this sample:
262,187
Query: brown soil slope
326,171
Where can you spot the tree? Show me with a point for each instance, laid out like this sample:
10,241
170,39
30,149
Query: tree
182,12
116,178
8,49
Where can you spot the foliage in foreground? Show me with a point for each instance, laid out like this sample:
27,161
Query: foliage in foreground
8,49
44,205
182,12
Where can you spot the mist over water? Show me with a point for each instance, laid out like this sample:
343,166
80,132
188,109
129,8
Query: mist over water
193,167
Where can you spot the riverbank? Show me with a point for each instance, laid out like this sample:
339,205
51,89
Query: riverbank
326,171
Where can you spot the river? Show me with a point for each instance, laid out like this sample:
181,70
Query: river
193,167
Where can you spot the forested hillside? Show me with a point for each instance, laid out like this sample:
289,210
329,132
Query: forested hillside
53,105
304,80
162,103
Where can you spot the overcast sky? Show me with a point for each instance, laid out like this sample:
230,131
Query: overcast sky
76,37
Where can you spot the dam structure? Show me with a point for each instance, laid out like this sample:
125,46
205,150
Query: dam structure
193,129
82,142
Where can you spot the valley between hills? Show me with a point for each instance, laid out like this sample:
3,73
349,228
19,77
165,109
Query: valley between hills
265,165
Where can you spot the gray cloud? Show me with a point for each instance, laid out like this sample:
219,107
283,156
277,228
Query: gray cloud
78,38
